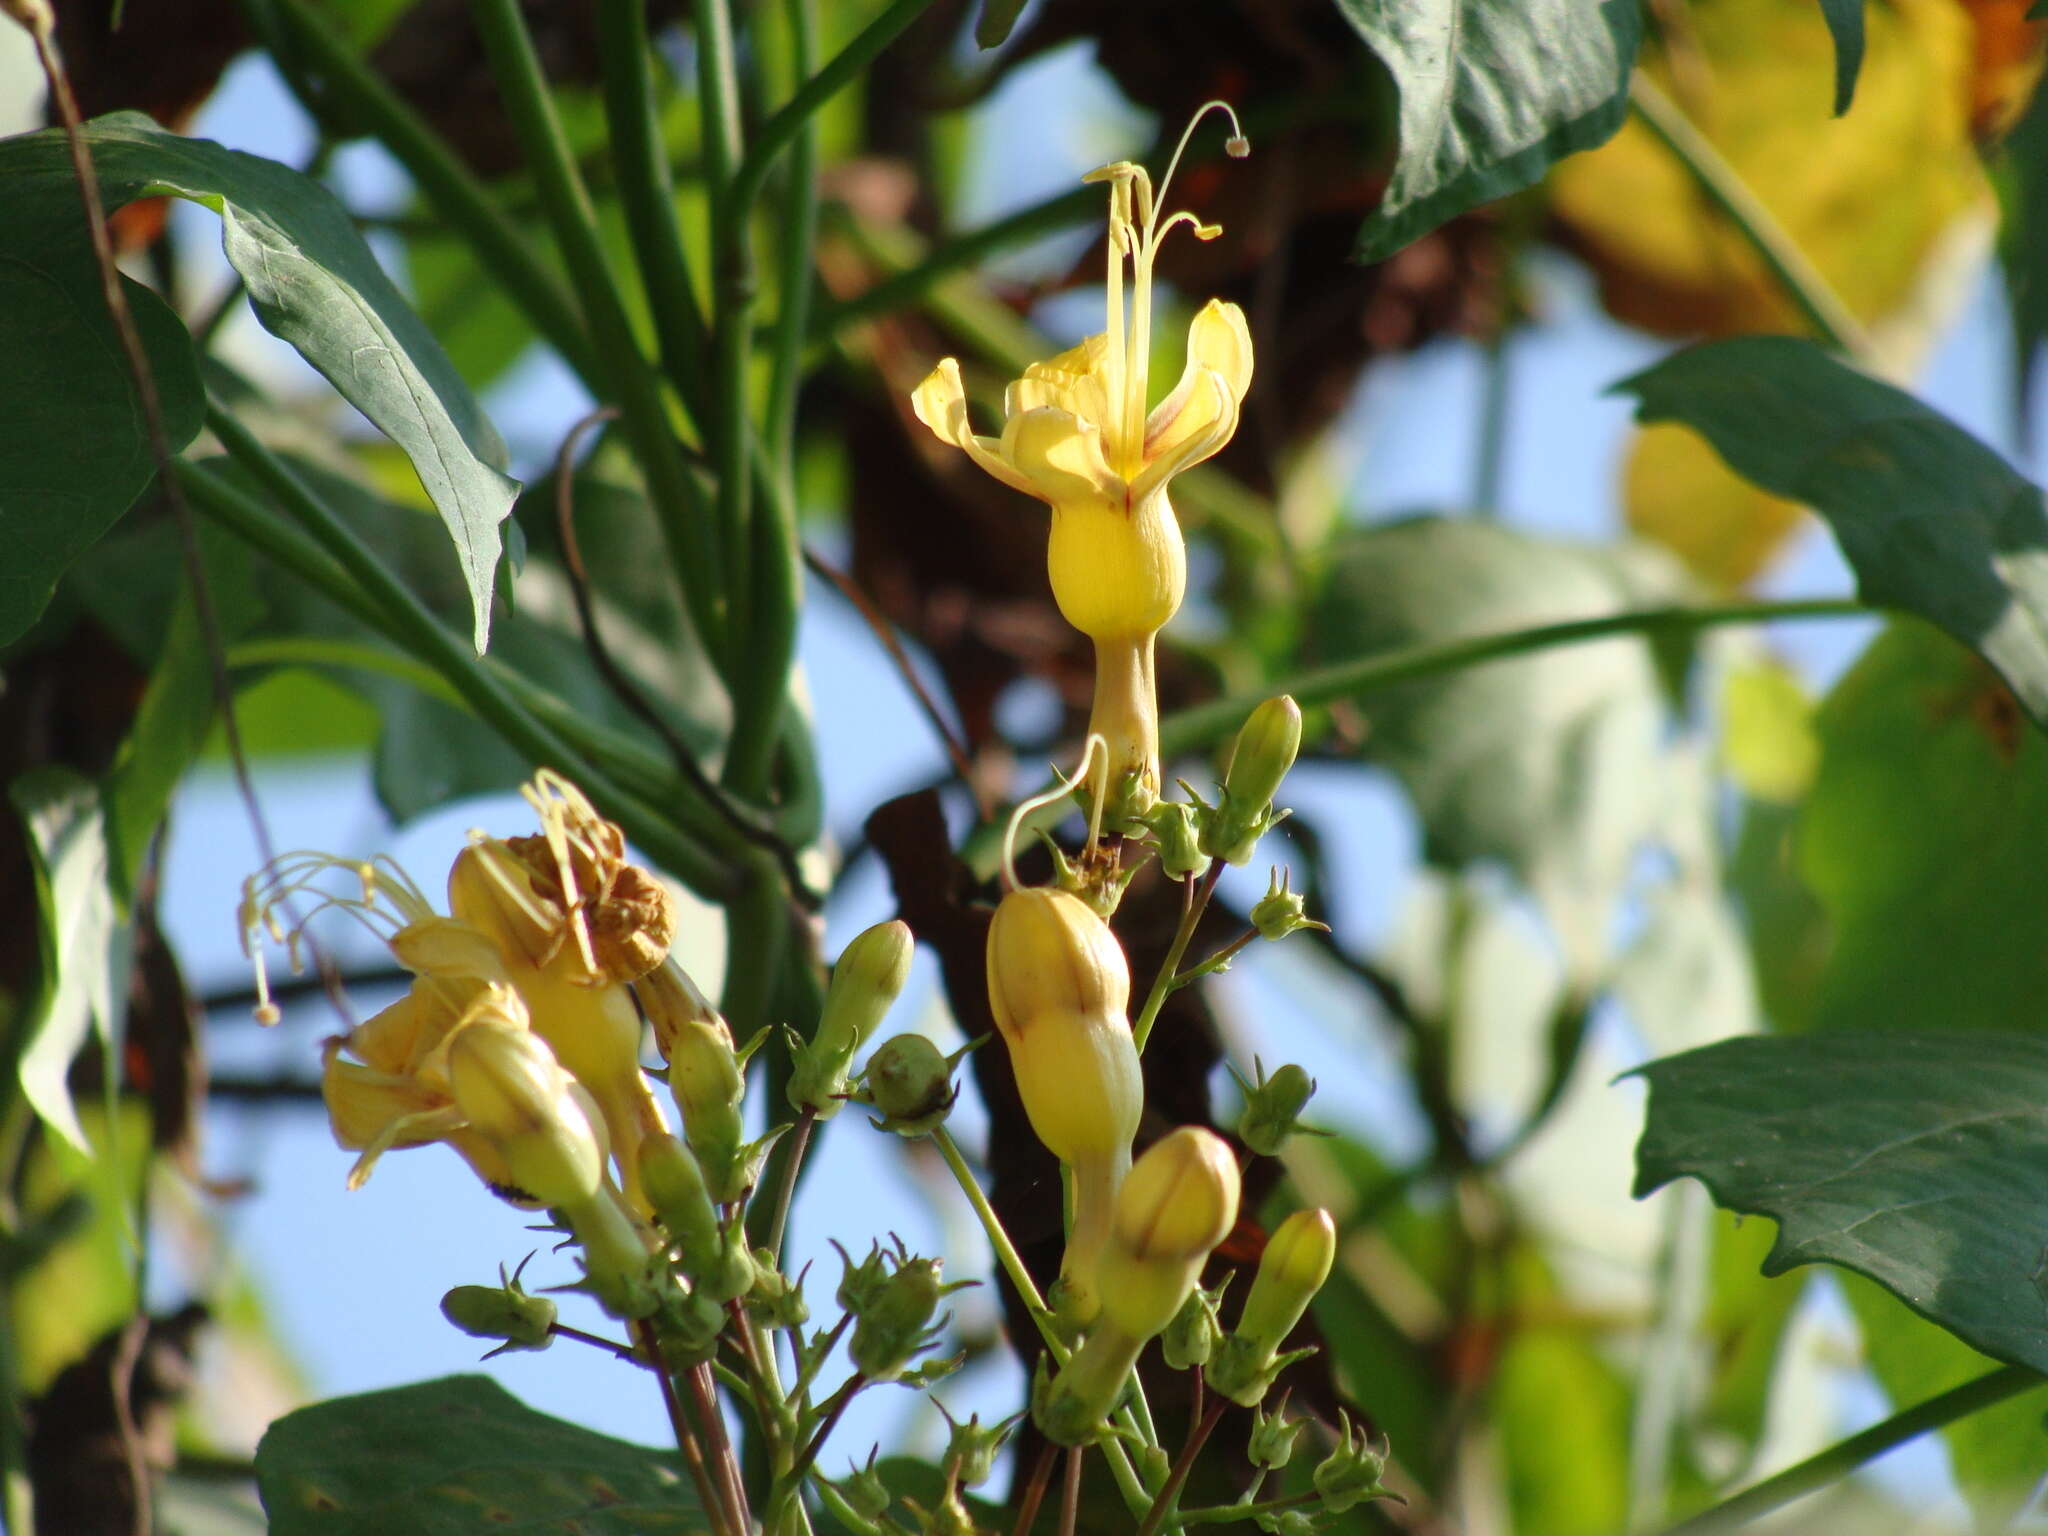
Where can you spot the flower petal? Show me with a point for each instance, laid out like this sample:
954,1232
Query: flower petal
1218,342
1062,457
941,404
1205,424
1073,382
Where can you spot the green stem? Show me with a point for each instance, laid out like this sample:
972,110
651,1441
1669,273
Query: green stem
436,645
761,708
797,236
1230,1514
1198,893
647,193
999,1240
1809,291
631,381
785,1181
1493,426
780,130
1182,1465
1187,729
1056,213
1844,1457
361,99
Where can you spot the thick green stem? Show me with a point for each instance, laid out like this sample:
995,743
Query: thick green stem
1817,302
435,644
361,99
1844,1457
1187,729
630,380
797,235
648,195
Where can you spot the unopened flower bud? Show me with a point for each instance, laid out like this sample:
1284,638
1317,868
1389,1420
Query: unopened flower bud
1288,1522
1282,911
515,1095
1178,1202
866,981
704,1074
1059,988
910,1081
689,1330
1350,1474
1293,1268
675,1189
864,1491
1273,1437
504,1311
1176,830
1191,1338
1272,1108
971,1447
1265,750
896,1321
949,1517
776,1299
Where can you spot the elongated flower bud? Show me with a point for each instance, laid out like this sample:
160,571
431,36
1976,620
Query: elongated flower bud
866,981
1059,987
704,1074
514,1094
1266,748
1293,1268
1178,1203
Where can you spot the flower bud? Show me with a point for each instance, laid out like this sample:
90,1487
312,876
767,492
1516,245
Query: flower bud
949,1517
502,1311
1191,1338
866,981
689,1329
776,1299
1272,1107
1350,1474
1175,827
1293,1268
515,1095
970,1458
713,1255
1059,988
1272,1440
704,1074
894,1324
1282,911
1265,750
864,1491
1178,1202
910,1081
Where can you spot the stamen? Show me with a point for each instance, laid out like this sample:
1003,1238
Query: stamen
1062,788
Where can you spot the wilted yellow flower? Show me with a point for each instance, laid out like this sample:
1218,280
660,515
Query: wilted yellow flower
1081,434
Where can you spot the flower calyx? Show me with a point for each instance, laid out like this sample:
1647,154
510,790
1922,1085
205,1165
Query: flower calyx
505,1311
1272,1107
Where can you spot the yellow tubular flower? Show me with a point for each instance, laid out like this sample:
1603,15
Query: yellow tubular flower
1060,989
1080,434
1179,1202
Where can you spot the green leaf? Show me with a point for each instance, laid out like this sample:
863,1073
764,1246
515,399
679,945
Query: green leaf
1845,25
2023,239
78,926
1931,520
313,282
461,1455
1547,762
74,454
1920,842
1493,92
1914,1159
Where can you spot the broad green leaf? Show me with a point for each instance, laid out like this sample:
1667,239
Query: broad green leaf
1549,762
1931,520
456,1456
1914,1159
1920,843
1845,24
2023,237
79,928
1492,93
74,453
1997,1453
314,283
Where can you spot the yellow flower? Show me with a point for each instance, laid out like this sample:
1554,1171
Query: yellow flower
1080,433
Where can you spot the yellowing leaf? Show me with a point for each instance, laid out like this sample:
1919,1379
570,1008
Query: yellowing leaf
1678,493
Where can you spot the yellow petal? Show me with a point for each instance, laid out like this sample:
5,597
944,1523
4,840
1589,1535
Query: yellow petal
1219,342
367,1108
1203,426
1073,382
1060,456
941,404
